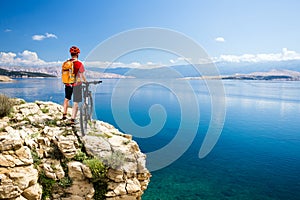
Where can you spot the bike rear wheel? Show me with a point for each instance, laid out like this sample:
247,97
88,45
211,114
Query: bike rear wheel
86,112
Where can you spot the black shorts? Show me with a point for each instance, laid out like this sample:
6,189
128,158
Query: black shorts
77,90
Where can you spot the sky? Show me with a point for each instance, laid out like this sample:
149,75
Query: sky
35,32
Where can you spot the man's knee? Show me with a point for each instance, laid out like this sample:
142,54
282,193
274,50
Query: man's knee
75,105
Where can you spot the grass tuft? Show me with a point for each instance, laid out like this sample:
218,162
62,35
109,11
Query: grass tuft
6,105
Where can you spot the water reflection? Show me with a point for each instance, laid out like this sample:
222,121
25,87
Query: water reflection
283,96
45,89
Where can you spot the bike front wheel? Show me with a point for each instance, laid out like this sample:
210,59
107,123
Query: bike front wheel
90,106
86,113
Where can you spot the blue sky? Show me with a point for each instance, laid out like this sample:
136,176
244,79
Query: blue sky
39,32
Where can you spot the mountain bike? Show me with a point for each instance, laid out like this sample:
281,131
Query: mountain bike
86,107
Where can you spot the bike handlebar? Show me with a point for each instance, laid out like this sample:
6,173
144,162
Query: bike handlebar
92,82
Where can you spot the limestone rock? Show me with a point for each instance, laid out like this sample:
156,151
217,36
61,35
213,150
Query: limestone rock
23,177
115,175
34,142
117,188
20,157
9,141
8,191
53,169
132,177
29,109
81,189
33,192
67,146
75,171
81,186
103,147
86,171
133,185
24,155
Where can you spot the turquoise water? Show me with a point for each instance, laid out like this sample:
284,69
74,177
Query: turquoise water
256,157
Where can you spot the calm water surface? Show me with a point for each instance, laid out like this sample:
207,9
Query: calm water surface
256,157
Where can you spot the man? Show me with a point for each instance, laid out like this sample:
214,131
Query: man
76,87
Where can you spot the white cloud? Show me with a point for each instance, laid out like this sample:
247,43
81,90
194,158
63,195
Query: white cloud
38,37
180,60
282,56
172,61
7,57
136,65
219,39
42,37
7,30
31,59
26,58
50,35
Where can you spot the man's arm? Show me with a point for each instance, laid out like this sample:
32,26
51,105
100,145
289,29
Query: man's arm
83,77
82,73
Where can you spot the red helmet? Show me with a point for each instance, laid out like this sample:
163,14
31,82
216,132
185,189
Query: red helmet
74,50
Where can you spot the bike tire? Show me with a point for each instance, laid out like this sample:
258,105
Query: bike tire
90,107
83,119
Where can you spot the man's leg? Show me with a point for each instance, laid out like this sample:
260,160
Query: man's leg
74,110
68,95
66,105
77,98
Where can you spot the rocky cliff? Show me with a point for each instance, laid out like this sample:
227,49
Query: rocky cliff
43,158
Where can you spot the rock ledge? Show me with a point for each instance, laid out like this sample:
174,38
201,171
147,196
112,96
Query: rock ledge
43,158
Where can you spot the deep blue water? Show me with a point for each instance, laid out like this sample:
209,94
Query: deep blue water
256,157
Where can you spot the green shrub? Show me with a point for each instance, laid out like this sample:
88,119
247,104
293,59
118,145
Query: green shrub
97,168
45,110
47,184
99,177
100,190
56,153
65,182
6,105
80,156
36,159
51,122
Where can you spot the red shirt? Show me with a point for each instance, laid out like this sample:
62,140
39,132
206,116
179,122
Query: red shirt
78,66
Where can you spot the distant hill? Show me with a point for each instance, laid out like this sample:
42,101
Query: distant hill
246,67
161,72
190,71
286,75
177,71
23,74
54,71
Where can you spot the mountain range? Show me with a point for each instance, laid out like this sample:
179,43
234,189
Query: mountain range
179,71
49,72
286,75
228,70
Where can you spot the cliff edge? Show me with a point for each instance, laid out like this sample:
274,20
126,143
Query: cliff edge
43,158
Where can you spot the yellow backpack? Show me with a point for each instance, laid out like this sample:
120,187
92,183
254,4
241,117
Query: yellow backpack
68,75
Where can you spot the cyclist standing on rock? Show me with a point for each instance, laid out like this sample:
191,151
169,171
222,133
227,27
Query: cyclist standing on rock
74,88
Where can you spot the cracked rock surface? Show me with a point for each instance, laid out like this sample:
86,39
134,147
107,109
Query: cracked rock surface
39,150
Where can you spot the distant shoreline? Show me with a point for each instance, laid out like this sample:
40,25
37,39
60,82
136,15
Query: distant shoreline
273,75
263,78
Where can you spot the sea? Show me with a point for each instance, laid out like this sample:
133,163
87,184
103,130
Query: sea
255,154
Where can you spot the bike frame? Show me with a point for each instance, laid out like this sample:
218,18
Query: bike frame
86,107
